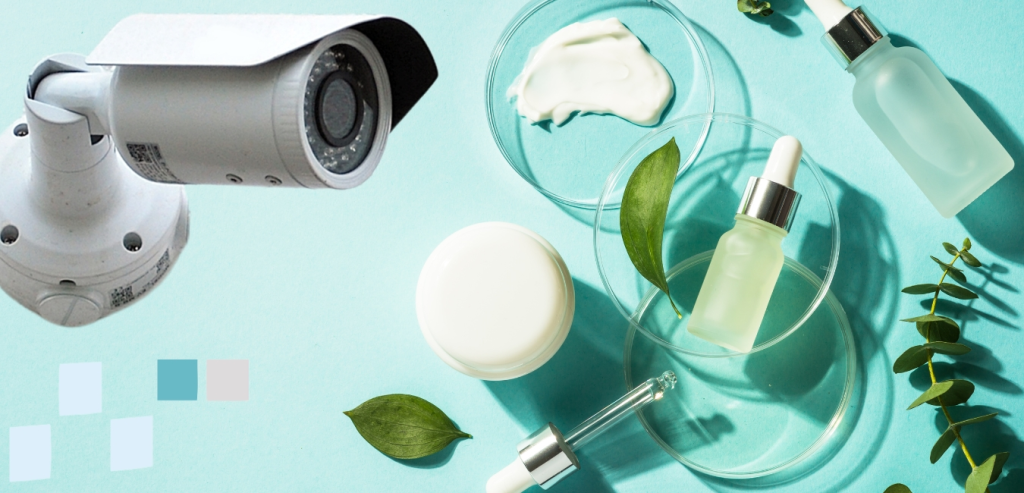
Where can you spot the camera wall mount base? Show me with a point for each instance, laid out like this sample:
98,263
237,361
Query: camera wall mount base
88,238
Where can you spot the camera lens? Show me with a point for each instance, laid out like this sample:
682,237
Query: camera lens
341,109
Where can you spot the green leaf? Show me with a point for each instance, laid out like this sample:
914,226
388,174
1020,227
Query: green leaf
643,211
745,6
979,479
404,426
997,468
944,331
921,289
898,488
910,359
950,248
948,348
929,318
953,392
970,259
967,243
972,421
956,274
957,292
958,394
942,444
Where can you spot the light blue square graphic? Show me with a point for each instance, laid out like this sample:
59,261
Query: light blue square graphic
131,443
177,380
30,453
80,388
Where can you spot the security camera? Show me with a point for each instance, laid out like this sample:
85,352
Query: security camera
92,209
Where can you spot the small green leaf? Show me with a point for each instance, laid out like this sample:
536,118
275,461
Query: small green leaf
934,391
898,488
745,6
956,274
980,477
950,248
958,394
921,289
967,243
765,12
957,291
910,359
643,211
972,421
953,392
942,444
970,259
997,468
404,426
944,331
948,348
928,318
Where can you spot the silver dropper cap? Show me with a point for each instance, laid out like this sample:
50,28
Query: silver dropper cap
770,197
852,36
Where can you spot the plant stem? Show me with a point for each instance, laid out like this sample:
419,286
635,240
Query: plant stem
931,370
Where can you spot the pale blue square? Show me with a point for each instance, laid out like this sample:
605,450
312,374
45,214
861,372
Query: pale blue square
80,388
30,453
131,443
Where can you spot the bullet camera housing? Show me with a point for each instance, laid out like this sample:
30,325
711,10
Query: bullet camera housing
92,211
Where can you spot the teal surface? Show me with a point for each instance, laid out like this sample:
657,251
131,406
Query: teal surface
316,288
177,380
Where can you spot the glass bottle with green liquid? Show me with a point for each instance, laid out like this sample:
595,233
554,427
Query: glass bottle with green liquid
748,259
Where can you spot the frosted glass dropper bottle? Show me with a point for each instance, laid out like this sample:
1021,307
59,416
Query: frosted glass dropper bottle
748,258
926,125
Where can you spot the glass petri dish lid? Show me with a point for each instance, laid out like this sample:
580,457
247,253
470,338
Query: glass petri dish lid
720,152
776,414
569,163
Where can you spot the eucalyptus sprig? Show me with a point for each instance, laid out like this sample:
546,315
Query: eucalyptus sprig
941,335
754,7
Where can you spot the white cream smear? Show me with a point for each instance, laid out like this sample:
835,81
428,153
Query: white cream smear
595,67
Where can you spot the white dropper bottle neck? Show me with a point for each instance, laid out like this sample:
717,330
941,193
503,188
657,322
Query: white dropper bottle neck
829,12
784,161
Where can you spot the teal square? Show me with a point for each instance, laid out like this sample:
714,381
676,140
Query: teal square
177,380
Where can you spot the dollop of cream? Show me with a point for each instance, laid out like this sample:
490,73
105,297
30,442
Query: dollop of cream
595,67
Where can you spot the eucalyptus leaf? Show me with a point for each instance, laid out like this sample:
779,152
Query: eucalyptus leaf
972,421
948,348
967,243
980,477
643,212
953,392
950,248
928,317
957,291
921,289
942,444
956,274
959,393
910,359
404,426
944,330
898,488
745,6
997,468
970,260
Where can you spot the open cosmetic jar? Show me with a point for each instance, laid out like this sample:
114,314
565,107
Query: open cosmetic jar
737,415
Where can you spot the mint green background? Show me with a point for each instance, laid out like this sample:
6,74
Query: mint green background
316,288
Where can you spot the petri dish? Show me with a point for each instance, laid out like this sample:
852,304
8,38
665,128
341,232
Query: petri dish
774,414
569,163
719,154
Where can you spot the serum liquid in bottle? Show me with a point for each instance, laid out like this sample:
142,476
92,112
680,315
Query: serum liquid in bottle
748,258
923,121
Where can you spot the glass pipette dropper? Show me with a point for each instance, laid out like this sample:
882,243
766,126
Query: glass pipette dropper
546,457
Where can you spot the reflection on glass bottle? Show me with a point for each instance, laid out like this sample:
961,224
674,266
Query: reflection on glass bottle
926,125
748,259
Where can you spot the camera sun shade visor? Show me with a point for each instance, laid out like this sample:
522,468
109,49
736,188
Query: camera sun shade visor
261,99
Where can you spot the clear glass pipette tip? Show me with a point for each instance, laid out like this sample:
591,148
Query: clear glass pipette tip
644,394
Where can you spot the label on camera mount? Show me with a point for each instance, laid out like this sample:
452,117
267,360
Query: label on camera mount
148,162
136,289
